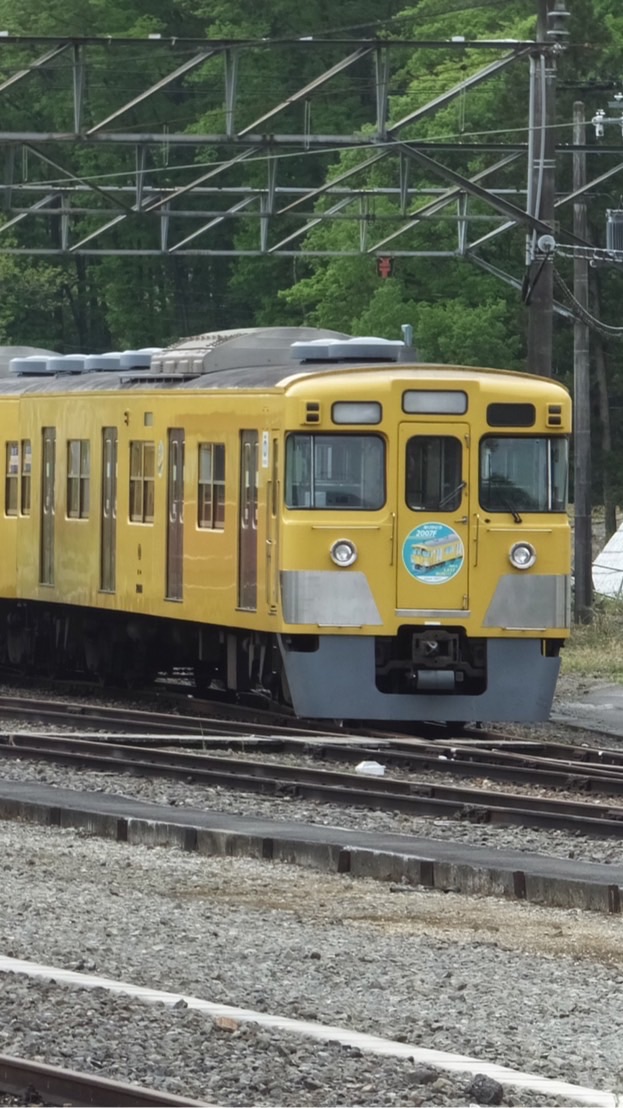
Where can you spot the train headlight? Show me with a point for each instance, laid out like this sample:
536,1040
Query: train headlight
522,555
343,552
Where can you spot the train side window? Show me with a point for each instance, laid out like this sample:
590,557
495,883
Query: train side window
11,479
434,473
17,478
26,472
211,491
78,478
142,474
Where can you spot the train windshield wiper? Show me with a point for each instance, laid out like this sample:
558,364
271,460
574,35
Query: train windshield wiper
449,497
513,511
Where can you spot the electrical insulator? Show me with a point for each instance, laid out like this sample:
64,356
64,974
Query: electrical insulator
598,123
556,19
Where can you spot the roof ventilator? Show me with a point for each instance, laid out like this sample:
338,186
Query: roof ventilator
352,350
34,365
126,361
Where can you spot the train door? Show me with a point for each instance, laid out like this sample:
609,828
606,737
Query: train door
272,529
175,527
108,540
247,526
433,520
48,506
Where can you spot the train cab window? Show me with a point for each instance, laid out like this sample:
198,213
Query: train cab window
211,492
434,478
78,478
337,472
142,472
523,473
18,478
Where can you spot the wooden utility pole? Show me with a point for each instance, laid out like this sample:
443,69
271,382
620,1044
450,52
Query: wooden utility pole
583,553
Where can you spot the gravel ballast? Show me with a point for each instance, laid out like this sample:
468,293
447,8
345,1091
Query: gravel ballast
512,984
177,794
509,984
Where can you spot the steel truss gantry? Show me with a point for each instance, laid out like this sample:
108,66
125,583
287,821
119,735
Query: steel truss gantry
180,186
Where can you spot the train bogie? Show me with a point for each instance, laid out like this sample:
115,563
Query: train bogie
330,524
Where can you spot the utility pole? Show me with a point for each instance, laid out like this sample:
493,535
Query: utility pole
539,286
581,392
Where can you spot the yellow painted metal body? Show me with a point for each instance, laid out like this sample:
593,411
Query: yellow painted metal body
380,535
287,539
9,420
210,556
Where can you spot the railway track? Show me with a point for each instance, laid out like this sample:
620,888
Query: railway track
22,1078
150,723
409,796
475,754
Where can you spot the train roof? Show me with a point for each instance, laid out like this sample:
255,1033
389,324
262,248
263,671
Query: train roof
250,358
242,359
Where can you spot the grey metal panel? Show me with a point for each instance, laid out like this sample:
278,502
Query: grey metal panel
433,613
530,601
337,682
328,598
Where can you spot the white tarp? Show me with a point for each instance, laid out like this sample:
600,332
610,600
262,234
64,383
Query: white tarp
608,568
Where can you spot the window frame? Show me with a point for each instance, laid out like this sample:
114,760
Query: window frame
211,491
142,481
450,486
509,502
26,477
18,477
78,502
316,439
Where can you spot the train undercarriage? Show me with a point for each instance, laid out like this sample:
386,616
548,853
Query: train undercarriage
421,673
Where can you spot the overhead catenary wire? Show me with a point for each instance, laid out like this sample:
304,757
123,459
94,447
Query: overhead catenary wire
583,313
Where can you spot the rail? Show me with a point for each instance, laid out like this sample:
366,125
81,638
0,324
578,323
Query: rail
414,797
60,1086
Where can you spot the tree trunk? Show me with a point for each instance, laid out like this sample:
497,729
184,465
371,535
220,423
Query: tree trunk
605,438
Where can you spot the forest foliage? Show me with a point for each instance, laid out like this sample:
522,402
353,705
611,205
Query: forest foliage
459,312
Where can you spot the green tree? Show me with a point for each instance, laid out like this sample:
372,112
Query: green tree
29,296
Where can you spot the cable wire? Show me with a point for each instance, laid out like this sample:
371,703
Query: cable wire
583,313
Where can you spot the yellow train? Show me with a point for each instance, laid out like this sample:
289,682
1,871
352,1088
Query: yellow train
254,505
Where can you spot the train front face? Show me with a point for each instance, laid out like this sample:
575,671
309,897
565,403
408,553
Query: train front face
425,544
